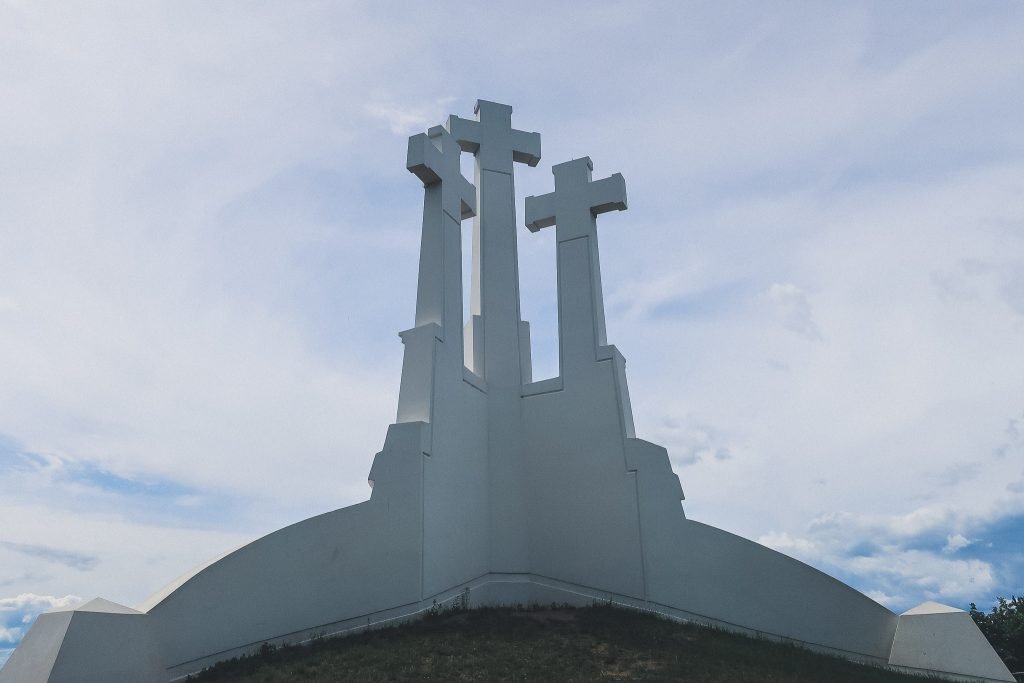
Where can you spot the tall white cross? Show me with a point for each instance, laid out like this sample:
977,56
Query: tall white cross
493,140
500,343
447,199
573,208
495,276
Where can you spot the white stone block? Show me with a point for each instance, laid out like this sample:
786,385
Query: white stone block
98,642
936,638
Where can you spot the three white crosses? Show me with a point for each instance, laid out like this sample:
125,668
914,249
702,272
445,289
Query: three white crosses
572,207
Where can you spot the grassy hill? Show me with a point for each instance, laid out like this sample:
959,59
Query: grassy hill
555,644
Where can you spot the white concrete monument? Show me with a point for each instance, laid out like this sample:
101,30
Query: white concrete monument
495,489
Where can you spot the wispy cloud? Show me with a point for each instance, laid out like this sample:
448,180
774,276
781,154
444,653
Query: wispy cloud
793,310
79,561
692,440
956,542
411,117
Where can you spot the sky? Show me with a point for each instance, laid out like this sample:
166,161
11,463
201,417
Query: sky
208,243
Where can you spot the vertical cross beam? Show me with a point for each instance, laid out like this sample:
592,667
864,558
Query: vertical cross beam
495,276
495,305
448,198
573,208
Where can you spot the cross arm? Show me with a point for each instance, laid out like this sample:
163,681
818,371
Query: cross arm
525,147
608,194
434,158
540,211
423,159
494,123
465,132
575,191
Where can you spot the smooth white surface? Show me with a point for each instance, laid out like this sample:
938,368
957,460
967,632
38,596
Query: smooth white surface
930,607
99,642
492,484
934,637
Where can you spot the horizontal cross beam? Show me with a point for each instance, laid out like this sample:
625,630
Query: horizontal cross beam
576,199
435,158
493,140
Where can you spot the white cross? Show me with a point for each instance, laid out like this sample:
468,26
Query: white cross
434,158
447,199
576,200
496,333
573,208
493,140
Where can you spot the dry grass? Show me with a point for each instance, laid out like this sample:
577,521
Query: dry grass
550,644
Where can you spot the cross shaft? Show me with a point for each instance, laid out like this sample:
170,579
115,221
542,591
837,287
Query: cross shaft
573,208
434,158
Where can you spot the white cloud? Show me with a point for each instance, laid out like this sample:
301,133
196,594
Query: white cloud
411,118
17,614
918,555
793,309
930,576
691,440
956,542
881,597
26,603
783,542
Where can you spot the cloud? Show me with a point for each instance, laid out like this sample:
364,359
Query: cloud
914,556
793,310
785,543
17,614
79,561
956,542
1012,287
880,597
1013,444
411,118
692,441
927,575
26,578
970,279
